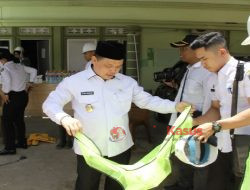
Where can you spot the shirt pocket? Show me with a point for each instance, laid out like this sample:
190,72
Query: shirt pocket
89,105
123,101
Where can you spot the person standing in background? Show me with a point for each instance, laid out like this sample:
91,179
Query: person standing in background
194,88
20,55
15,97
88,50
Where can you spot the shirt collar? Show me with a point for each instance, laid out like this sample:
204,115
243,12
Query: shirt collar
91,73
226,69
196,65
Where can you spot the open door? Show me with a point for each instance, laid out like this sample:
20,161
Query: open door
38,53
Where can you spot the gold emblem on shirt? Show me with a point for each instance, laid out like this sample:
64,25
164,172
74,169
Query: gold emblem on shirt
248,74
89,108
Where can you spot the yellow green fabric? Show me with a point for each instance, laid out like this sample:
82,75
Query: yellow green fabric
148,172
246,182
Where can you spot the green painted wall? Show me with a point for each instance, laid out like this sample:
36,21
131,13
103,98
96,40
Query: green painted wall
161,22
57,47
181,14
236,37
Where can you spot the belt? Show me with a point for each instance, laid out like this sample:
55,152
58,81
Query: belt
15,92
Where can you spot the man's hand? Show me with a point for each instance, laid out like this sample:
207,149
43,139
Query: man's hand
205,131
29,86
71,125
5,98
182,105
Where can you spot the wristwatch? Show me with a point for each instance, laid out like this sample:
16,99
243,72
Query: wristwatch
216,127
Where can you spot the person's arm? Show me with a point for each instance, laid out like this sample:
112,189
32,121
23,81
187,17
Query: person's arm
237,121
212,114
32,72
53,107
4,97
6,86
145,100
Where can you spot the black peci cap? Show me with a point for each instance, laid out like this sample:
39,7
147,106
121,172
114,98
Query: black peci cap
185,42
110,49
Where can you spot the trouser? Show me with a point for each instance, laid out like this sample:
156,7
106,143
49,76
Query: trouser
241,147
220,172
215,176
89,178
63,136
191,178
13,116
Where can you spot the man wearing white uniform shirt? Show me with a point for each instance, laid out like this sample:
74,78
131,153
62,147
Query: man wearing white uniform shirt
101,99
211,49
88,50
15,98
195,90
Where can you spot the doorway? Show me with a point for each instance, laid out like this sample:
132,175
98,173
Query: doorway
38,52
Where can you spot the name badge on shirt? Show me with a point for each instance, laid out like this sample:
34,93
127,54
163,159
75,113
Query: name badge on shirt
87,93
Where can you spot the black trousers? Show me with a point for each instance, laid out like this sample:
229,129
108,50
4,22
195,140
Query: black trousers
13,117
89,178
215,176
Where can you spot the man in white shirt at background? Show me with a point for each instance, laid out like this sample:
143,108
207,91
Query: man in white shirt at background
212,50
15,97
195,90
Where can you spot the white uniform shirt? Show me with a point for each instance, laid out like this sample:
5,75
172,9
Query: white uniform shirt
108,103
14,76
196,89
223,93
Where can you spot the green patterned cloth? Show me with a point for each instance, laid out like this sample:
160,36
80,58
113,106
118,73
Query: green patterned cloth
246,182
148,172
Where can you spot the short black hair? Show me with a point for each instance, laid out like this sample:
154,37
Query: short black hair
5,54
209,40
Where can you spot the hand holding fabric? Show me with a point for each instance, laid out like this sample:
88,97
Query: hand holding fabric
180,107
71,125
